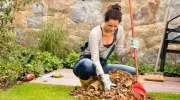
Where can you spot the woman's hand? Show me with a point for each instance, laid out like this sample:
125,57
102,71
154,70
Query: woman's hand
107,82
134,44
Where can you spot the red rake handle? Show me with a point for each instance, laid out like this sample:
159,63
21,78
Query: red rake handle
133,36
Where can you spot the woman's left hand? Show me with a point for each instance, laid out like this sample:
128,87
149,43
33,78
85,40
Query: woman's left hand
134,44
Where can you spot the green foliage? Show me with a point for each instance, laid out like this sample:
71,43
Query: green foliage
53,39
6,9
5,16
143,67
113,59
17,61
34,61
9,73
172,69
71,59
7,37
49,61
24,60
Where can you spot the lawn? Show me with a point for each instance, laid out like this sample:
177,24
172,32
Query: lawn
165,96
31,91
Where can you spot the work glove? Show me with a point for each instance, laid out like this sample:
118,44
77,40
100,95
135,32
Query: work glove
134,43
107,82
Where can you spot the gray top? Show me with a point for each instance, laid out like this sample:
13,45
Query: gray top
97,49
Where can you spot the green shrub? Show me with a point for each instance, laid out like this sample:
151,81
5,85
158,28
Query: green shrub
171,69
16,61
113,59
7,37
9,73
24,60
71,59
53,39
143,67
49,61
34,61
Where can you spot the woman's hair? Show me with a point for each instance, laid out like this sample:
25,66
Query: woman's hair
113,12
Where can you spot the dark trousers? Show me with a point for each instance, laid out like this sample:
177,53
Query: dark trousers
85,68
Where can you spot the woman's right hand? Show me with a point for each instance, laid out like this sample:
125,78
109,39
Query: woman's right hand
107,82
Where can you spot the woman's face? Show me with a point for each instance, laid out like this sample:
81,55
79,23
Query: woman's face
111,25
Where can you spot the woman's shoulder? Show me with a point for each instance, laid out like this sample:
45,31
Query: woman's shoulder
120,27
96,33
120,33
96,28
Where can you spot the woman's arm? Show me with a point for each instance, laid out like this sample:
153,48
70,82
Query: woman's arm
121,52
94,49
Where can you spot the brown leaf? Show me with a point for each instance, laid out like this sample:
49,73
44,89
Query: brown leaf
128,83
95,85
95,91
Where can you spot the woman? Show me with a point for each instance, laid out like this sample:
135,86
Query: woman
102,39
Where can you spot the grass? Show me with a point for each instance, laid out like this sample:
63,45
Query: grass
31,91
165,96
53,39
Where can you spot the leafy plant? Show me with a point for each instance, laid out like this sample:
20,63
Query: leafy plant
113,59
34,61
49,62
171,69
71,59
15,60
7,37
143,67
24,60
53,39
9,72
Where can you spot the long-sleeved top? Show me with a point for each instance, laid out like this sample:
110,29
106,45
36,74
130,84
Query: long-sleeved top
96,48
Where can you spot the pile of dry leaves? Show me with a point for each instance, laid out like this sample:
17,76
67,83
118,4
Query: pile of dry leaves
95,91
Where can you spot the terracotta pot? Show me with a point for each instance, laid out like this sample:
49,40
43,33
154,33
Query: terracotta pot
30,77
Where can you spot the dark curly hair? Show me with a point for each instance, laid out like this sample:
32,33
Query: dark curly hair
113,12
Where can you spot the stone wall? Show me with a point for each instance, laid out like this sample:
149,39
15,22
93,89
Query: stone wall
80,16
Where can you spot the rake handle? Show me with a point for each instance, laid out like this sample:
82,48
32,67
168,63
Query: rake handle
133,36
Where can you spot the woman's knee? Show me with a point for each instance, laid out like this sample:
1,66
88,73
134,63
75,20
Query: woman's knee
87,64
133,71
126,68
84,69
